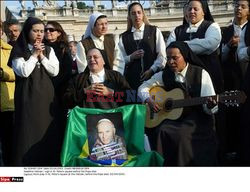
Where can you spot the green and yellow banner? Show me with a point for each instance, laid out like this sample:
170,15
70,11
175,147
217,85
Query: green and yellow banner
75,150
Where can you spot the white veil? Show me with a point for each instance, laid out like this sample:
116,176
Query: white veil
92,19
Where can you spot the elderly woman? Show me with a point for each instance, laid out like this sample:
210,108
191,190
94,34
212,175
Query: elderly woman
96,37
34,65
203,36
189,140
142,47
96,87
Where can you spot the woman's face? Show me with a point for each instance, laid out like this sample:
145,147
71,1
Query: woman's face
101,27
36,33
51,34
241,10
175,60
95,61
136,15
195,12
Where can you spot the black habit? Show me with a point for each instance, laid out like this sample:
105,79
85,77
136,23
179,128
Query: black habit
75,95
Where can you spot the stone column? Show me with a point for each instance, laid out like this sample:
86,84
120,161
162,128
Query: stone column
67,3
114,3
67,11
114,12
2,10
229,5
171,7
211,5
152,7
39,11
96,3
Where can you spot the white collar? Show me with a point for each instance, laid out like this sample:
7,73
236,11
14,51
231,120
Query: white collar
241,26
30,47
196,24
100,73
183,72
133,29
97,77
97,38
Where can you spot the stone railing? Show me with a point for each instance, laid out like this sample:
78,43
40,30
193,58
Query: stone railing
173,8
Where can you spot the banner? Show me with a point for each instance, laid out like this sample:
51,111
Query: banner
76,148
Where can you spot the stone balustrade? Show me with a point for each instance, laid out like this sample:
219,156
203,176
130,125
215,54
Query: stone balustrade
74,21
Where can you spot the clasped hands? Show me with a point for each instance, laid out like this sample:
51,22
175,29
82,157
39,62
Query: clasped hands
99,89
38,49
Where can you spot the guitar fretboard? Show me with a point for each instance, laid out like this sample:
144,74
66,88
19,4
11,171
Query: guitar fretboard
202,100
189,102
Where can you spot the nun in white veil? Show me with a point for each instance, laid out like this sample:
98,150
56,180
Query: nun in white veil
81,51
92,19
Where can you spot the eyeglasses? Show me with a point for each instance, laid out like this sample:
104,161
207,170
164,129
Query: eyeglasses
50,29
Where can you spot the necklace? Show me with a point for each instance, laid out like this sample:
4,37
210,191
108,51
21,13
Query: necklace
139,38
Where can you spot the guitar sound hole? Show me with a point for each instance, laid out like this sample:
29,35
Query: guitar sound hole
168,104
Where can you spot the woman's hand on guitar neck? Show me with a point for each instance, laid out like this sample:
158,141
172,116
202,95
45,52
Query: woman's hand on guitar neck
153,106
211,102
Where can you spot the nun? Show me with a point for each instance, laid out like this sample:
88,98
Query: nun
34,65
96,37
190,140
203,36
142,46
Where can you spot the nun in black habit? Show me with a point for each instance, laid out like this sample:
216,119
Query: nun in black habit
189,140
203,36
34,65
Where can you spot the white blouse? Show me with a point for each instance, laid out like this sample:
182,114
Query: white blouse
24,68
206,45
160,61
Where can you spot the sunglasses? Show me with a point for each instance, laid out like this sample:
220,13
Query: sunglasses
50,29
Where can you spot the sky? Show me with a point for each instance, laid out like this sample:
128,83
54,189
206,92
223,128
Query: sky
29,3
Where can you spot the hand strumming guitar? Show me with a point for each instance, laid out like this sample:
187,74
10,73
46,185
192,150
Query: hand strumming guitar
153,106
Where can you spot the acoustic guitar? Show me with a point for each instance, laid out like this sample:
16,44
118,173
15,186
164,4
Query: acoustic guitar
171,103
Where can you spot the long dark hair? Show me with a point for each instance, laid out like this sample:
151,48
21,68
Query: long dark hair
58,27
130,24
62,39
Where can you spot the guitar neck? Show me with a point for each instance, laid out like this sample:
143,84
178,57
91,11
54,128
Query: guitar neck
190,102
